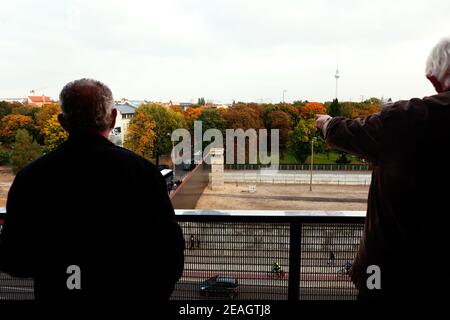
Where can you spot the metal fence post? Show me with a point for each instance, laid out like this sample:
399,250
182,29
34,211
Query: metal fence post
295,246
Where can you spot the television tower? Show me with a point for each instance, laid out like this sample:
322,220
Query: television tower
337,76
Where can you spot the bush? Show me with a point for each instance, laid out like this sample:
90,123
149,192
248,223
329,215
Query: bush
343,159
4,157
24,150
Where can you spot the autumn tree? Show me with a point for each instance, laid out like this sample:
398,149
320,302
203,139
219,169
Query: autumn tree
166,121
310,109
289,109
53,133
190,115
282,121
11,123
244,116
24,150
45,113
140,137
365,110
176,108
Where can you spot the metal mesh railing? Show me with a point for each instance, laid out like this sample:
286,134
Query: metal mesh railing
313,249
245,251
327,253
315,258
15,288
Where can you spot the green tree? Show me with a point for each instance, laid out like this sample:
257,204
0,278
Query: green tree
343,158
334,108
299,103
5,108
346,108
26,110
212,119
5,155
300,139
201,101
24,150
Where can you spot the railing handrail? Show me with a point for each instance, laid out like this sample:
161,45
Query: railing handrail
302,216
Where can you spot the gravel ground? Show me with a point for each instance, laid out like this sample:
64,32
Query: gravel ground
285,197
6,178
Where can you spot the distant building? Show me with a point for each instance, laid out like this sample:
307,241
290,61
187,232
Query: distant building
216,106
185,105
125,111
38,101
14,100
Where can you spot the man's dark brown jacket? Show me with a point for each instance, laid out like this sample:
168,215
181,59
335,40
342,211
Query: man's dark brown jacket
408,213
97,206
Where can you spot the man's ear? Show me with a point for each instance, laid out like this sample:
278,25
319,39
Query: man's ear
113,118
61,121
436,84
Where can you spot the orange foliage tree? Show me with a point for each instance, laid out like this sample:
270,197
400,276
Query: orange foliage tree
363,111
11,123
310,109
140,137
191,115
282,121
53,132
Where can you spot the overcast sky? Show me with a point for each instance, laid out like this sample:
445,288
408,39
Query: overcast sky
246,50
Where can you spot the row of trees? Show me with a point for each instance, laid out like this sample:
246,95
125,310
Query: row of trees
26,132
150,129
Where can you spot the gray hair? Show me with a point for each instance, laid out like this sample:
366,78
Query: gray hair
86,105
438,62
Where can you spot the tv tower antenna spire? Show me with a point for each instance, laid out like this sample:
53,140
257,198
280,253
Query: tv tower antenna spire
337,76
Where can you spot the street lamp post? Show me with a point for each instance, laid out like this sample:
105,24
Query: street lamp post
172,153
311,163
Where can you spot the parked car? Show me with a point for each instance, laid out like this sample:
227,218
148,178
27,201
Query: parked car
2,218
188,165
219,286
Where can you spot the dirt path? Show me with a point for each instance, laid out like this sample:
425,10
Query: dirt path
285,197
6,179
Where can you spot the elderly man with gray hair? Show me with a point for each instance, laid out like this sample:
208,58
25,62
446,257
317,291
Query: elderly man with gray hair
91,221
404,249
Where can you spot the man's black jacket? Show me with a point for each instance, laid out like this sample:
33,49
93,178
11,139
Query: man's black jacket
92,204
408,213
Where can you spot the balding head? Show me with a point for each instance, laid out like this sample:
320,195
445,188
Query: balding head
87,105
